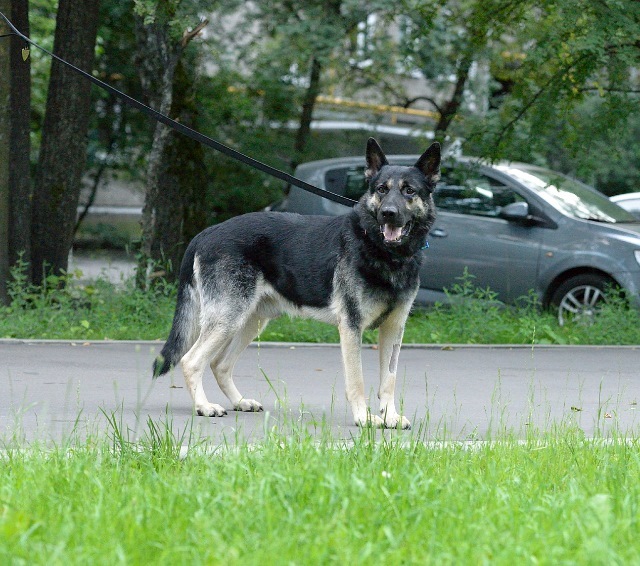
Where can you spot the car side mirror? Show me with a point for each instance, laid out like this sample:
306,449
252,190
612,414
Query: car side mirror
516,212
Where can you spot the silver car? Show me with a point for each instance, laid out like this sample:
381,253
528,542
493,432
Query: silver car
514,227
630,202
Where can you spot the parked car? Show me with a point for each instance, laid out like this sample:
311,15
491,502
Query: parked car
630,202
515,227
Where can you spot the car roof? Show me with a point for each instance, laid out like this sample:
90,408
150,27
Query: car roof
401,159
625,196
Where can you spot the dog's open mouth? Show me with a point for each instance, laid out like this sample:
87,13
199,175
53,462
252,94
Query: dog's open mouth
394,234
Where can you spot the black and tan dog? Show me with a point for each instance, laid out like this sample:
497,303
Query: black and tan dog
355,271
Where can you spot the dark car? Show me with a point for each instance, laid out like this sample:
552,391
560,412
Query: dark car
515,227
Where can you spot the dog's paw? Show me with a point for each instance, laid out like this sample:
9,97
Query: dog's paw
397,421
248,405
370,421
210,410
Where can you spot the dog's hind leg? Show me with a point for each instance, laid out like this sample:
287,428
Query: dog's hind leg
212,339
222,365
390,340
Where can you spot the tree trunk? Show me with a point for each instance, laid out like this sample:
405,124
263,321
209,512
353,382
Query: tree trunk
304,130
182,185
20,192
449,109
5,128
157,59
158,56
64,138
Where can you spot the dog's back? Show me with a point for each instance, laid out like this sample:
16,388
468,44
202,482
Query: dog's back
293,254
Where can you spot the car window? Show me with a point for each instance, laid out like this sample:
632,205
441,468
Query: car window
461,189
466,191
346,181
567,195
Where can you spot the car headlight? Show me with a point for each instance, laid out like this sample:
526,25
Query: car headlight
637,254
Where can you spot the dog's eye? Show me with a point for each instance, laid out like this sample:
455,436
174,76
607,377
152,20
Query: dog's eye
382,189
409,191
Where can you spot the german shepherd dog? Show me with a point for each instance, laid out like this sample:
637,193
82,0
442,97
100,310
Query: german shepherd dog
356,271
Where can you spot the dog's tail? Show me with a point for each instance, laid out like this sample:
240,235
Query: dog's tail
185,328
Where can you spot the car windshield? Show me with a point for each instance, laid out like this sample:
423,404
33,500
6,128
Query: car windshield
567,195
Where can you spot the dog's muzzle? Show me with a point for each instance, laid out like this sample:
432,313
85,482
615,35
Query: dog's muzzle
391,225
394,234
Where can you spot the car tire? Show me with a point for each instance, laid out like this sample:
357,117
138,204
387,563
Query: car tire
580,297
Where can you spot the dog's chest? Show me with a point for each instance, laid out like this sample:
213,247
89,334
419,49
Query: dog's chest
370,296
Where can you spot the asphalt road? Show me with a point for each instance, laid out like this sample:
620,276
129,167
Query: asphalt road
455,393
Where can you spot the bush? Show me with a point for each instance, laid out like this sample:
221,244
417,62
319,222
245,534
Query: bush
65,307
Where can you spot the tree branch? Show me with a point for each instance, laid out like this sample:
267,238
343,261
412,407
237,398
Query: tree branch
187,36
537,95
409,101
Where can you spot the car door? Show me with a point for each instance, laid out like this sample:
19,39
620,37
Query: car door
470,234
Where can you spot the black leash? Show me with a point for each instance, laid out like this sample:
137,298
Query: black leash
193,134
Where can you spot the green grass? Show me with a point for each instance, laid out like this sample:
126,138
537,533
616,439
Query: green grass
100,310
556,498
86,311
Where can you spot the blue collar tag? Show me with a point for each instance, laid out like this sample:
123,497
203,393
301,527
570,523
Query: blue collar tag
425,247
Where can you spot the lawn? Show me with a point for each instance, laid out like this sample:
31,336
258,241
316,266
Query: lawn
556,498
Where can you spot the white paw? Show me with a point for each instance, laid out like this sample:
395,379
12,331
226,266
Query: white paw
210,410
248,405
396,421
369,421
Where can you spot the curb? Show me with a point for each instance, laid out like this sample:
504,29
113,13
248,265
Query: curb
293,345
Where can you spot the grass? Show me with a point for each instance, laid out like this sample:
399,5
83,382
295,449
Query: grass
65,308
556,498
101,310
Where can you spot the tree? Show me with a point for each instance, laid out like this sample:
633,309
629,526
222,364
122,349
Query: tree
575,51
183,182
451,43
20,192
64,138
5,128
15,147
162,36
308,41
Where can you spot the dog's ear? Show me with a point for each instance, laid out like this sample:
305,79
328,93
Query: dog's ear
376,158
429,163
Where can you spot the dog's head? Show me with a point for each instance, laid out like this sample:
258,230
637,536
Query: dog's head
399,197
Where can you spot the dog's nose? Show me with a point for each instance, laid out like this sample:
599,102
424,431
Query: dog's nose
389,212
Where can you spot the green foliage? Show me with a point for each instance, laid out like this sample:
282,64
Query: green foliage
474,316
560,90
176,14
571,95
65,308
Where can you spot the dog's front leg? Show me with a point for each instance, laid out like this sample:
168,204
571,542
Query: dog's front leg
390,341
350,344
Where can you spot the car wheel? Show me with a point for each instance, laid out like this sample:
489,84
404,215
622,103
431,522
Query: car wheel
579,298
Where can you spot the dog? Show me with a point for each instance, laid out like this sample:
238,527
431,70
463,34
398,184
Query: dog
355,271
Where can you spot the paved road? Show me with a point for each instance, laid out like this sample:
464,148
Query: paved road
448,393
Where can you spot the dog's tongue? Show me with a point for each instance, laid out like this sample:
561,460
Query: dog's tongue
391,233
